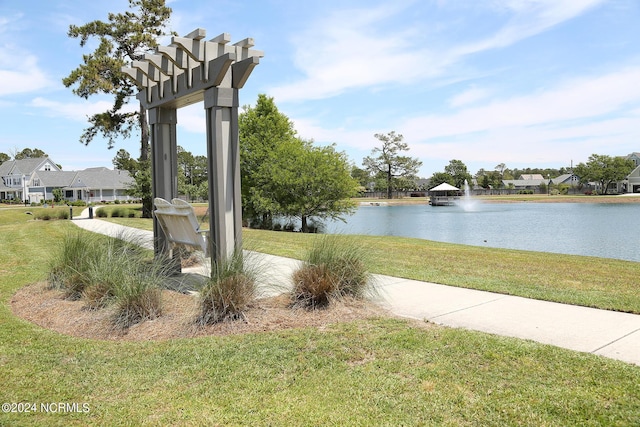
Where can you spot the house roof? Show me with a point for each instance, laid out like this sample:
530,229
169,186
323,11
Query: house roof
523,182
531,176
54,178
445,187
25,166
104,178
562,178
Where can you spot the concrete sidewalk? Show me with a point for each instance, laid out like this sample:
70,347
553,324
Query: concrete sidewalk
606,333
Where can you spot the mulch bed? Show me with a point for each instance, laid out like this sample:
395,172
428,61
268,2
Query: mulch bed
49,309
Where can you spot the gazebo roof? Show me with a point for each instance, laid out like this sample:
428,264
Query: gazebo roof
445,187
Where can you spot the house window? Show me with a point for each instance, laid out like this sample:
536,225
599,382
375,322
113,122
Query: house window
36,183
47,167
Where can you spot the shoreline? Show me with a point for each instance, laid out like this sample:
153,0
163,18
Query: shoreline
633,198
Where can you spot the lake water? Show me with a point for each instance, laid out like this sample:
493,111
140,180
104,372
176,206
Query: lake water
608,230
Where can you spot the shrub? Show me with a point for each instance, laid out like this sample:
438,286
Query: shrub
101,213
48,214
335,267
118,213
228,292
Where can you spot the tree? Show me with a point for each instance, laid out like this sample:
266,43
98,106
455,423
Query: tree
57,195
494,180
4,157
141,182
123,161
500,168
458,172
312,182
604,170
361,175
285,175
28,153
388,160
440,177
123,38
261,130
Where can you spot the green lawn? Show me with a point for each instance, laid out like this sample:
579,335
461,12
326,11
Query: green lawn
375,372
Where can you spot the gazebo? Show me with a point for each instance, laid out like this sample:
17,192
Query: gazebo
444,195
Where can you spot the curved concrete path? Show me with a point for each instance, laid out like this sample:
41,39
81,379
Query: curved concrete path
606,333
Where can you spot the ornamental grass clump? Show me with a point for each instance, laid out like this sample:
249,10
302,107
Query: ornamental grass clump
137,298
136,282
335,267
228,292
110,271
70,264
118,261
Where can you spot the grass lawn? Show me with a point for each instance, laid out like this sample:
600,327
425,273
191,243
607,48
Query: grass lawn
375,372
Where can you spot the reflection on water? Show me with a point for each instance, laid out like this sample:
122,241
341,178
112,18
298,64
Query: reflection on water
602,230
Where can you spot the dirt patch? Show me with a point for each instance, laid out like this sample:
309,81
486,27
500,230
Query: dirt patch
49,309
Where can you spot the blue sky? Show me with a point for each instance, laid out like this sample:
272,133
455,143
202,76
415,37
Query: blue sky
527,83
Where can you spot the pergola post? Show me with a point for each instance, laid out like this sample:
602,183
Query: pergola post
223,156
164,166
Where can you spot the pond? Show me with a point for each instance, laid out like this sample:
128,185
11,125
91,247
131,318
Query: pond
608,230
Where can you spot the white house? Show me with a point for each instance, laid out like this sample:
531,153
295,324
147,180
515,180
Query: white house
34,180
632,183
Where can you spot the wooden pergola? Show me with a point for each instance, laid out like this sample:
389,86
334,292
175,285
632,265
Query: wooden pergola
188,71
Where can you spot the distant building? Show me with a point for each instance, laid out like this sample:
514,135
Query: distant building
33,181
631,184
534,181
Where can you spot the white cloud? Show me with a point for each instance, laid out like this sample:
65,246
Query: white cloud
529,17
579,99
361,48
351,48
344,137
19,72
469,96
77,111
